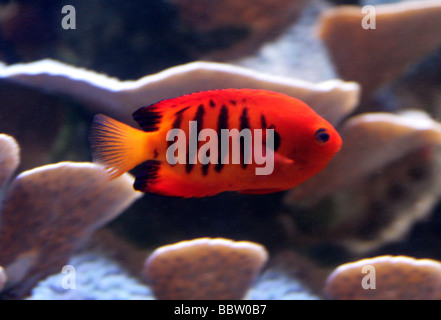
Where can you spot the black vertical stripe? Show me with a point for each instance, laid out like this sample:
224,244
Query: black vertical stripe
199,118
222,123
277,138
205,169
200,115
244,124
263,121
263,124
244,119
205,166
177,122
178,118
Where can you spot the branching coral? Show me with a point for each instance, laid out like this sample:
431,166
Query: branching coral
204,269
48,212
386,278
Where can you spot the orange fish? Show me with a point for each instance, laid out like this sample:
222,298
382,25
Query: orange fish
201,144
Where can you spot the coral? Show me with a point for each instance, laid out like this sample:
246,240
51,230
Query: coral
277,285
213,29
3,278
386,278
385,137
406,31
101,272
333,99
298,52
48,212
96,277
204,269
398,181
371,199
9,158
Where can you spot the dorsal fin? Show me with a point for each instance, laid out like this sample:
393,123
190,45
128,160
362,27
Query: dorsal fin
148,118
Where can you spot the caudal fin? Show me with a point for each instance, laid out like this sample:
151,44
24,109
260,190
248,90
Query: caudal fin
116,145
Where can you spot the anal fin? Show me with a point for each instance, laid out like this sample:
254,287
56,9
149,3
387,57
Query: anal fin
160,178
148,175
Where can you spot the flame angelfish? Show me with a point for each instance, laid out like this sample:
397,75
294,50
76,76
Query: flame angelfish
201,144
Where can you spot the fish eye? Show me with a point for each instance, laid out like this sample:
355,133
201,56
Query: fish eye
322,136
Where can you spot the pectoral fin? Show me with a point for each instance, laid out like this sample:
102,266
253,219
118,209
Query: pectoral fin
281,159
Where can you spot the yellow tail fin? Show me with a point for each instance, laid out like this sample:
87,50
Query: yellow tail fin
116,145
